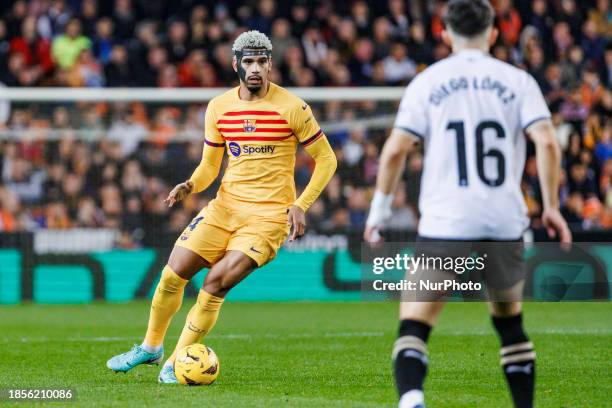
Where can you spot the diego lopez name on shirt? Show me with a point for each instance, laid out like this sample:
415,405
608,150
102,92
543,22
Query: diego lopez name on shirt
486,83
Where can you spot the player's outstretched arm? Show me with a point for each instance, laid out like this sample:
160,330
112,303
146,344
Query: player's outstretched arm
325,166
548,157
392,162
206,172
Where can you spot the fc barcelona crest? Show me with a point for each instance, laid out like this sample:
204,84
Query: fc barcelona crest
249,125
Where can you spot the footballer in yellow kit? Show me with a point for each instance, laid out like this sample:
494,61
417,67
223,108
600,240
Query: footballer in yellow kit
260,137
258,125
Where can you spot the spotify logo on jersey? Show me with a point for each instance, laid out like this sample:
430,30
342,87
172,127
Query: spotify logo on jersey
236,150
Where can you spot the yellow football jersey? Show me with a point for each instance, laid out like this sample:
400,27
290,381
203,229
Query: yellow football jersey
260,138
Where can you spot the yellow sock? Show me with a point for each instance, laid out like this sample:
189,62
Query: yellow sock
166,302
200,320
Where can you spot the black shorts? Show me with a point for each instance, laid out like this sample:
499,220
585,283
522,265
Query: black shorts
503,263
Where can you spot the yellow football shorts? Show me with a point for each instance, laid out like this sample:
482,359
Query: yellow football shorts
218,229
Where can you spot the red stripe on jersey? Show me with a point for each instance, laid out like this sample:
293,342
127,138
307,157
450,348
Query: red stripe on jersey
251,112
258,121
270,130
257,138
313,138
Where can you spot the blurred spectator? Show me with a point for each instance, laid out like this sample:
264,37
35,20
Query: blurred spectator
537,68
86,71
603,148
606,68
190,69
36,51
315,47
262,19
399,20
133,217
403,216
117,70
570,15
531,182
509,22
148,74
398,67
573,108
176,46
591,89
14,18
138,47
89,17
562,128
360,13
358,204
573,66
592,44
582,180
419,47
605,183
88,214
124,18
168,77
55,216
542,20
126,131
360,65
281,39
600,15
345,39
299,17
68,46
382,37
22,179
572,154
56,18
5,49
9,211
103,40
573,209
353,148
562,38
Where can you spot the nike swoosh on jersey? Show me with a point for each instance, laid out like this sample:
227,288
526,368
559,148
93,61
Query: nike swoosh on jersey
254,250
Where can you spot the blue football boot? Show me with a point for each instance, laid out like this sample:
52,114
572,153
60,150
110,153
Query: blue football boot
166,375
136,356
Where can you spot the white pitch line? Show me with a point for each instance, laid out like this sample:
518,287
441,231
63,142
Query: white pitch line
217,336
249,337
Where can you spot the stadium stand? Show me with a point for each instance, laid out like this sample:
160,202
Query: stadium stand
111,165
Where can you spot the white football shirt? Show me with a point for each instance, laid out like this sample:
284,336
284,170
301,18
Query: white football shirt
471,110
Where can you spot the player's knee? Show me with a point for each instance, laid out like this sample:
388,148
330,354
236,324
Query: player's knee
170,281
227,273
239,264
217,286
185,263
506,309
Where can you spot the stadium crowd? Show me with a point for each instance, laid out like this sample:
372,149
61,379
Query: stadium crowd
111,165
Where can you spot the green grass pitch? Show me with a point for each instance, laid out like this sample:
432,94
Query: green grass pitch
306,355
